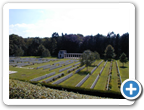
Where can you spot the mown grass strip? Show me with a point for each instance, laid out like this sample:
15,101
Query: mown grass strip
28,74
114,78
101,84
124,71
90,80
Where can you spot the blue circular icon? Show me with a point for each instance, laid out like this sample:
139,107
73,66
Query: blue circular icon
130,89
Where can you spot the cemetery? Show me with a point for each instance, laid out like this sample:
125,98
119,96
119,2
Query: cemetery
101,75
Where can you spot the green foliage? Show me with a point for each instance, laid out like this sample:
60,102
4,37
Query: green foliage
19,52
41,48
123,58
73,43
46,53
87,58
26,90
109,52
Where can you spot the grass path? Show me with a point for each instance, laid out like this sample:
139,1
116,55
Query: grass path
124,72
76,78
102,81
28,74
90,80
114,78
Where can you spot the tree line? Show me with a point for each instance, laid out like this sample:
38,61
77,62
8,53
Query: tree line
73,43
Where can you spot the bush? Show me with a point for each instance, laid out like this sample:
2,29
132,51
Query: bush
101,93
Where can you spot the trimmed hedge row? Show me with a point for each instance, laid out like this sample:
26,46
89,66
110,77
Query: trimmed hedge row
63,79
100,93
82,81
43,77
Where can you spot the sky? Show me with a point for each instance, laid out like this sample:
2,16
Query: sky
86,21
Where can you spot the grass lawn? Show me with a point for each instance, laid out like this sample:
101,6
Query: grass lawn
102,81
90,80
124,71
76,78
28,74
114,78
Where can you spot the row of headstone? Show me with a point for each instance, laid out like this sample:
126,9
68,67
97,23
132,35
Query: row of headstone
103,68
30,60
94,83
76,64
50,66
96,67
43,66
68,63
118,72
64,68
72,69
54,77
80,69
43,77
82,81
19,64
63,79
54,67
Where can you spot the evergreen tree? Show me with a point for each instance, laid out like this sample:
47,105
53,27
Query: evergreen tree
41,48
109,52
123,58
46,53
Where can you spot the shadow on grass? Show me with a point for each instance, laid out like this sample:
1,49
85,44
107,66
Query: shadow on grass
93,66
83,72
123,67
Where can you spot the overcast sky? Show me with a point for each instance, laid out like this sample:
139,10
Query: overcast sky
86,21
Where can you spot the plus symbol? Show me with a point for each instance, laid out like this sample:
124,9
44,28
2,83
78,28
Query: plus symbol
131,89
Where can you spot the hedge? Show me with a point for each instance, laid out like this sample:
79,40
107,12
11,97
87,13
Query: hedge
100,93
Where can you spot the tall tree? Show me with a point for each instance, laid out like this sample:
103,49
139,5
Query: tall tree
109,52
123,58
41,48
87,58
53,45
46,53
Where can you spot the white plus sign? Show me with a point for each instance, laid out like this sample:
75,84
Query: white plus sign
131,89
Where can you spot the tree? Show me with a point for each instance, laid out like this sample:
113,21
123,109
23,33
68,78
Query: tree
19,52
87,58
55,34
123,58
96,55
109,52
46,53
41,48
53,45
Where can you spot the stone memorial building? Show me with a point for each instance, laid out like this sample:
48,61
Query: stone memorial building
64,54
